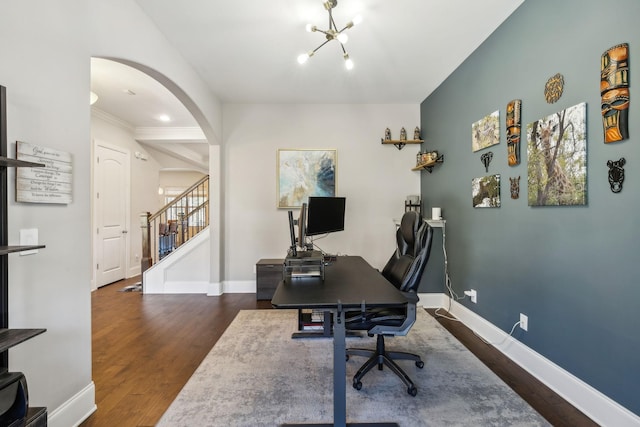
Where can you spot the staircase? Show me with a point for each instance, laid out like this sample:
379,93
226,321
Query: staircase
175,224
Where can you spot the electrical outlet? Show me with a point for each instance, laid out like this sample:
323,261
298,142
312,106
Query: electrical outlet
524,322
472,294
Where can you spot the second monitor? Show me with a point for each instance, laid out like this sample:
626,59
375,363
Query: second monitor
325,215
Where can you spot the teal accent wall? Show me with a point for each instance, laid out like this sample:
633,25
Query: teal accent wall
574,271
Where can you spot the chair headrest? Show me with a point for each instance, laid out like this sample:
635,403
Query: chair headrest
409,226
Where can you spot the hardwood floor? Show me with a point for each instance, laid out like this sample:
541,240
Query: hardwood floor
145,348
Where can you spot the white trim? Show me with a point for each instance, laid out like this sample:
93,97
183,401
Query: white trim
75,410
191,287
215,289
111,119
600,408
239,287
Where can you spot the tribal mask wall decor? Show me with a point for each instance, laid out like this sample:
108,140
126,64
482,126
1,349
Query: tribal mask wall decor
616,174
513,132
614,90
514,187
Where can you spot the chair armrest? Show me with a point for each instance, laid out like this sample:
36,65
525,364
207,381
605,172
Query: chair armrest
412,297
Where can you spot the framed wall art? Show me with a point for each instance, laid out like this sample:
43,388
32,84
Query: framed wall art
486,132
557,152
305,172
486,191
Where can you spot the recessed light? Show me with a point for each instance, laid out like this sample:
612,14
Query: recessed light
164,118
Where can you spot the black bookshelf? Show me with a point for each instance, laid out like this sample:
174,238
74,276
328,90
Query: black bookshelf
36,416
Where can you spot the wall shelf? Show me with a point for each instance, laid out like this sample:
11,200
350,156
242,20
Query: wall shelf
13,337
11,249
6,161
401,143
428,166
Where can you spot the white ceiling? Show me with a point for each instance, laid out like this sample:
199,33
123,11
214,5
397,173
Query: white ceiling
246,51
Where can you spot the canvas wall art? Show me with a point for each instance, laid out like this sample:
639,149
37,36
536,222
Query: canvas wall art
486,191
557,151
485,132
304,173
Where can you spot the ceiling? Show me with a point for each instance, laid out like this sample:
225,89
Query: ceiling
246,51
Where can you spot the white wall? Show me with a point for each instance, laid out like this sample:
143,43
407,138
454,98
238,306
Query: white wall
375,178
45,67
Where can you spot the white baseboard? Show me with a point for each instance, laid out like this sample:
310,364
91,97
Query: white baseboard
75,410
600,408
240,287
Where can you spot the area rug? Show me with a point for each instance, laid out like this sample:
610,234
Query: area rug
256,375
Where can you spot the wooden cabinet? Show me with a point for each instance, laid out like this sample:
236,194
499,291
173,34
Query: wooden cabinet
268,275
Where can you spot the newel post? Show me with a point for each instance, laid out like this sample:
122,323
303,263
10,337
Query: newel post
145,260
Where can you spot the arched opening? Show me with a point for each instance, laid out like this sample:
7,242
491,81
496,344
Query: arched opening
149,141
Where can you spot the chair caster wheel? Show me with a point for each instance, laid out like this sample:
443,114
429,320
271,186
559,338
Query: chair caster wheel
412,391
358,385
420,364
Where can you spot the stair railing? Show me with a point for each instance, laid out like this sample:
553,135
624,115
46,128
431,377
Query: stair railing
174,224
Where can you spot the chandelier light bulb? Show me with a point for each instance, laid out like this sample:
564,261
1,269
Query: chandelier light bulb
357,19
343,38
310,28
302,58
348,63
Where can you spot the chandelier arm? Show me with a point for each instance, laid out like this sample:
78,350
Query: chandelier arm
324,32
343,49
332,23
316,49
345,28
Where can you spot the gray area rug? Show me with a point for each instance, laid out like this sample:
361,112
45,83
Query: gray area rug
256,375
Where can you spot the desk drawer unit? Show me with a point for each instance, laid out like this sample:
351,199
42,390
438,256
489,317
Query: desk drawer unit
268,275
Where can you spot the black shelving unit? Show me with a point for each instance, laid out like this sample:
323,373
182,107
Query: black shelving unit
36,416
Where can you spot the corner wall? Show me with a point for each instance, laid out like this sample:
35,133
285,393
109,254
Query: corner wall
571,270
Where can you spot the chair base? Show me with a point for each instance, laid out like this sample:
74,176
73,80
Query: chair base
381,358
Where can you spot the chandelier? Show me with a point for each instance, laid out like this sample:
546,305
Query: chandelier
332,34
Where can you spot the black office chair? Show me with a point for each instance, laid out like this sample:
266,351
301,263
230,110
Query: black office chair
404,270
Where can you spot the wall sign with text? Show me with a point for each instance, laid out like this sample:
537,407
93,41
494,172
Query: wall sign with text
51,184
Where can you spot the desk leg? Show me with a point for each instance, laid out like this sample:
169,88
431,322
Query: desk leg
339,370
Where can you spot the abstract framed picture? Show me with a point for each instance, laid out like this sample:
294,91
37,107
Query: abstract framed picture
305,172
486,132
486,191
557,153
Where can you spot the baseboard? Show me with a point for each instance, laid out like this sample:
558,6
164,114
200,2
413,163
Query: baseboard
75,410
600,408
239,287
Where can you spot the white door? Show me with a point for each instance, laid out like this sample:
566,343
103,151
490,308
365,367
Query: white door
111,181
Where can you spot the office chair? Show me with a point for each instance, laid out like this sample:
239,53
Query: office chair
404,270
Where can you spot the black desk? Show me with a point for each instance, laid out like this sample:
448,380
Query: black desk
348,283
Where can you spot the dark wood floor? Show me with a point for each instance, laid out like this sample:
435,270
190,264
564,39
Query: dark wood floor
145,348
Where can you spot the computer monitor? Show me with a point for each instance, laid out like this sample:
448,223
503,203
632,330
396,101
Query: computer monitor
324,215
292,234
302,226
